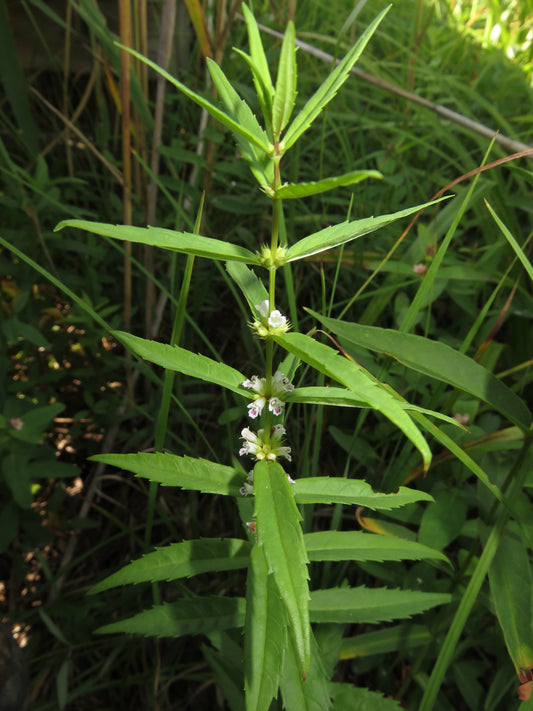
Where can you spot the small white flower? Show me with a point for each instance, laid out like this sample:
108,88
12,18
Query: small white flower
280,383
255,383
263,308
251,443
255,408
277,319
275,405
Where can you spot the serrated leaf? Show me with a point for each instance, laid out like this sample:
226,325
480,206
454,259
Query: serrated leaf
327,361
258,160
304,694
355,492
185,472
370,605
285,93
334,236
391,639
265,631
356,545
280,534
512,593
184,242
437,360
183,361
329,88
197,616
258,64
348,698
301,190
180,560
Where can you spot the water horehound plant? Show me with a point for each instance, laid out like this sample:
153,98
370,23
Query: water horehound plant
280,649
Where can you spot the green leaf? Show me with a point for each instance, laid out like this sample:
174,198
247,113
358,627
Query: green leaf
249,283
185,242
437,360
285,94
14,468
391,639
334,236
347,698
183,361
512,594
280,534
443,519
252,136
258,64
300,693
355,492
327,361
180,560
301,190
227,672
260,163
356,545
172,470
197,616
329,87
512,241
370,605
265,631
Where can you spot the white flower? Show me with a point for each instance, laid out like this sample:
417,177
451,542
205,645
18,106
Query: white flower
255,444
275,405
251,443
280,383
263,308
277,319
255,408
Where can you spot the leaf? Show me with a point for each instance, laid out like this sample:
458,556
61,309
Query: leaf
265,634
180,560
183,361
443,519
355,492
285,94
512,594
228,675
185,472
197,616
258,64
334,236
247,280
280,534
260,163
437,360
348,698
512,241
304,694
329,88
356,545
184,242
301,190
370,605
327,361
391,639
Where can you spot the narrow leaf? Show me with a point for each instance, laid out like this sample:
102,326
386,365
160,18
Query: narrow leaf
512,241
280,534
301,190
437,360
334,236
347,698
370,605
185,472
304,694
391,639
285,94
180,560
183,361
327,361
355,492
249,283
185,242
259,65
356,545
197,616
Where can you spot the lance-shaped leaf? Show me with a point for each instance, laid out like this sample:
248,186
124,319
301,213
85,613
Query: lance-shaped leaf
353,492
260,163
249,283
197,616
280,534
311,694
301,190
334,236
346,696
327,361
437,360
180,560
512,593
185,242
259,65
285,94
253,136
391,639
328,89
265,634
183,361
356,545
370,605
185,472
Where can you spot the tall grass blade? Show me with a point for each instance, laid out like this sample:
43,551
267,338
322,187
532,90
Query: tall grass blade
512,241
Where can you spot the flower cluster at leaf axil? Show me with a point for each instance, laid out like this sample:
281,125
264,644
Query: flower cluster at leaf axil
271,323
279,385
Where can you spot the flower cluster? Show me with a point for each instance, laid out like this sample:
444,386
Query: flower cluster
279,385
272,323
255,444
